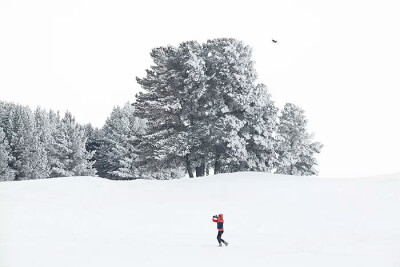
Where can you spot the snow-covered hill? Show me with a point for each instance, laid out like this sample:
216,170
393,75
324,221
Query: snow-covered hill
270,220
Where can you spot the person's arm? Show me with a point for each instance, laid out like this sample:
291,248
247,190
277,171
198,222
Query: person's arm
215,218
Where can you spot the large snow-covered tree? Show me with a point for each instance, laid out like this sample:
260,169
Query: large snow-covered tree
200,103
118,141
231,81
172,87
294,144
193,94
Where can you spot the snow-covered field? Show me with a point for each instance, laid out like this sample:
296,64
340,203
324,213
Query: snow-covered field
270,220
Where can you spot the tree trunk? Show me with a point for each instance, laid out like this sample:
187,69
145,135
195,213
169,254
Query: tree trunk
188,168
217,165
200,170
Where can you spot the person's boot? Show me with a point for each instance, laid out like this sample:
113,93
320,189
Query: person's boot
226,243
220,245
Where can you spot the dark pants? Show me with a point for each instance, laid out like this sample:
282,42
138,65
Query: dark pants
219,237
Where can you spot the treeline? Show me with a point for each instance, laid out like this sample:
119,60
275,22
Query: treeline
201,110
41,144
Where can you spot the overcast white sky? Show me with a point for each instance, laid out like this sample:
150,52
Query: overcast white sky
338,60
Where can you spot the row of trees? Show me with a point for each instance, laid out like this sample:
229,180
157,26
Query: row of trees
41,144
201,110
121,149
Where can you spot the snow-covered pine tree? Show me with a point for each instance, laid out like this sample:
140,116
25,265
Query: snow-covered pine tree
69,155
4,114
231,76
35,160
81,159
107,160
58,150
92,136
117,153
129,147
294,144
7,113
197,104
11,128
28,154
93,142
44,126
193,98
43,131
6,173
169,105
259,131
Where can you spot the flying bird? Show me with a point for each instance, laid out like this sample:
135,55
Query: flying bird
274,41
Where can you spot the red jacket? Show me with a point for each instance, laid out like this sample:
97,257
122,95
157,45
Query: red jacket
220,222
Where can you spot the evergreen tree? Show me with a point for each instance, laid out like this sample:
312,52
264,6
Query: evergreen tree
6,173
261,123
29,157
43,133
294,144
173,86
6,111
106,159
58,149
197,104
231,76
34,160
192,95
117,153
93,143
69,155
92,136
127,148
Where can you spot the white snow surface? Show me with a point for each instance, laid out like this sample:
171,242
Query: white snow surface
270,220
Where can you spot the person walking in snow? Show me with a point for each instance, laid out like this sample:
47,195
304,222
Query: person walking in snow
219,219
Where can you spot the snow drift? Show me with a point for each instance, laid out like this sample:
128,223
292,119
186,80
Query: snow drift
270,220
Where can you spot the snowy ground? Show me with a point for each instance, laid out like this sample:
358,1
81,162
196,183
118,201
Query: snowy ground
270,220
